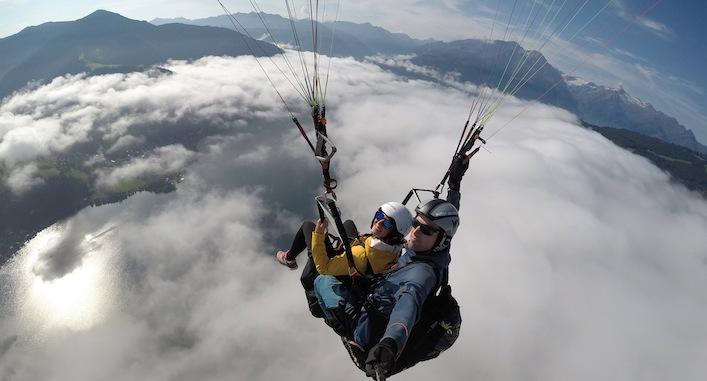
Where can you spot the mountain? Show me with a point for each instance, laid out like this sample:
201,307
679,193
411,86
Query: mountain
105,42
379,40
684,165
350,39
476,61
483,62
604,106
281,29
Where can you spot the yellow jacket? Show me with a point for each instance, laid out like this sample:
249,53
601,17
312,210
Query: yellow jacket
379,254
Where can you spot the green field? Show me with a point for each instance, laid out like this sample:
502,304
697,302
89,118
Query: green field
129,186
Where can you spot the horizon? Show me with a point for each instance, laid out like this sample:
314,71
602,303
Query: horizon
619,67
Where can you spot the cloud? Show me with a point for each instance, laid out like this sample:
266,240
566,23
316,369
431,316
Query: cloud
625,53
23,178
113,113
186,279
163,161
124,142
657,28
575,259
654,27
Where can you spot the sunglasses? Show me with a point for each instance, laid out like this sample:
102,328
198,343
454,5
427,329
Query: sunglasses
424,228
387,223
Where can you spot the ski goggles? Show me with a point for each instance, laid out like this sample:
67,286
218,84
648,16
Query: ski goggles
424,228
387,222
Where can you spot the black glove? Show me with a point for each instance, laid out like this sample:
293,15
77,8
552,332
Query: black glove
459,166
382,355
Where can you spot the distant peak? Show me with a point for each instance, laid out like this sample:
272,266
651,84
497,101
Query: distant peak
103,14
617,91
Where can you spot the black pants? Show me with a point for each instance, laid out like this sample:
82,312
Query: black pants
302,240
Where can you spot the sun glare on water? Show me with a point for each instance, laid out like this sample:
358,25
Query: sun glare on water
77,300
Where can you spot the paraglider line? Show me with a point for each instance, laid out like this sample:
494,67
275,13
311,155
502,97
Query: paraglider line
579,65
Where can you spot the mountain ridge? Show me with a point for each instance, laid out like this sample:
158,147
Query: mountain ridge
606,106
480,62
350,39
39,53
50,50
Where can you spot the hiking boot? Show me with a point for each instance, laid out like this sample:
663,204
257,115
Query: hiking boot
336,319
281,258
314,307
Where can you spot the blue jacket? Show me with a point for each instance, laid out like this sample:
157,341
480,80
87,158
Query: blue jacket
399,295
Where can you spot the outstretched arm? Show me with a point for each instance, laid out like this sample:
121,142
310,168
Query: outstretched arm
409,298
456,172
454,196
406,310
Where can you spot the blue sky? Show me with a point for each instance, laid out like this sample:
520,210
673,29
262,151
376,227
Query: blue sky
660,58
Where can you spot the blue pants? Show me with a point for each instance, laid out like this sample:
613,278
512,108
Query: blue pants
339,306
330,291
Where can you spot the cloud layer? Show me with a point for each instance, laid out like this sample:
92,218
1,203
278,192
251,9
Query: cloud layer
165,160
575,259
114,113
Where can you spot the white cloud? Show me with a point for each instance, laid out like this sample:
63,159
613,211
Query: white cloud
23,143
23,178
575,259
404,62
626,53
205,296
659,29
124,142
165,160
111,104
75,109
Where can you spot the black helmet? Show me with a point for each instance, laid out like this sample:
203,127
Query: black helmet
443,214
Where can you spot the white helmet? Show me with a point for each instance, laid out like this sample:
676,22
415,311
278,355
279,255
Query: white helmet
400,214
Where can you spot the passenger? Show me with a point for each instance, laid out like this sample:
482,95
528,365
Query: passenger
373,253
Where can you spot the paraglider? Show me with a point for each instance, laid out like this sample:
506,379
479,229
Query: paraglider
391,304
414,318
